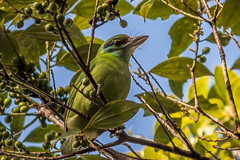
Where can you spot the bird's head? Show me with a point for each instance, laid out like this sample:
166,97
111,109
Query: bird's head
121,46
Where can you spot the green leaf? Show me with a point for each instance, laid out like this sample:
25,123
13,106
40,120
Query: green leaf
64,135
179,4
8,47
149,153
114,114
179,33
170,106
177,87
201,87
66,147
175,68
145,8
160,135
30,48
85,8
76,35
19,4
229,17
81,22
204,103
224,38
37,135
236,65
17,124
91,157
3,14
35,149
65,59
95,40
153,12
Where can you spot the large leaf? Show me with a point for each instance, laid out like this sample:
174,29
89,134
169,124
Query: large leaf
37,135
179,33
229,17
17,123
201,87
170,106
204,103
151,10
179,4
2,14
175,68
224,38
81,22
236,65
114,114
177,87
65,59
8,47
85,8
66,147
30,48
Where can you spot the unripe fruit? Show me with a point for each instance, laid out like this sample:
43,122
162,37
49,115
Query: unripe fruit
92,94
53,7
202,59
14,69
45,4
67,89
12,94
60,18
3,85
76,144
38,6
49,27
9,142
36,75
12,84
6,135
48,137
18,145
68,22
7,102
37,21
205,50
123,23
105,6
20,24
23,109
28,10
60,91
85,81
41,12
101,11
8,119
49,88
16,110
42,75
20,104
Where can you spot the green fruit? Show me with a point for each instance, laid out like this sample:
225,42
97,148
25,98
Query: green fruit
14,69
9,142
41,12
36,75
60,18
20,23
123,23
76,144
84,144
86,92
22,58
205,50
60,91
57,134
67,89
68,22
202,59
16,110
66,5
2,128
37,21
43,82
42,75
8,119
45,146
3,85
7,102
28,10
38,6
105,6
48,137
53,7
92,94
20,104
17,101
85,81
15,60
49,89
26,92
43,125
49,27
101,11
6,135
23,109
45,4
12,94
12,84
18,145
1,100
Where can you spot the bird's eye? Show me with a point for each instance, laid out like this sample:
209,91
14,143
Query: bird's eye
117,42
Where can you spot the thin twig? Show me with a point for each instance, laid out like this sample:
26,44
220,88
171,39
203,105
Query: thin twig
228,149
132,150
233,39
54,84
215,157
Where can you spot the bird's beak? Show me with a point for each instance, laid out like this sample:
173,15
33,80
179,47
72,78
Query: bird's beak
135,42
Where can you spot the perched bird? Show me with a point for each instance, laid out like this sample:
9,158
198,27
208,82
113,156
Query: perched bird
110,71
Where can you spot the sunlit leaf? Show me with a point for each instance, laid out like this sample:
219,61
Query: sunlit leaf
37,135
145,8
17,124
66,147
236,64
179,33
175,68
224,38
114,114
201,87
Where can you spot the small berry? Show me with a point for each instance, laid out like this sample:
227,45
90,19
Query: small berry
123,23
23,109
16,110
42,75
37,21
6,135
85,81
53,7
60,18
20,104
9,142
49,27
20,23
28,10
76,144
18,145
38,6
205,50
60,91
68,22
202,59
8,119
7,102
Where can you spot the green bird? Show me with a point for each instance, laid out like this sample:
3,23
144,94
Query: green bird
110,70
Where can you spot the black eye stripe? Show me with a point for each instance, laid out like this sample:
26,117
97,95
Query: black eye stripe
111,42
